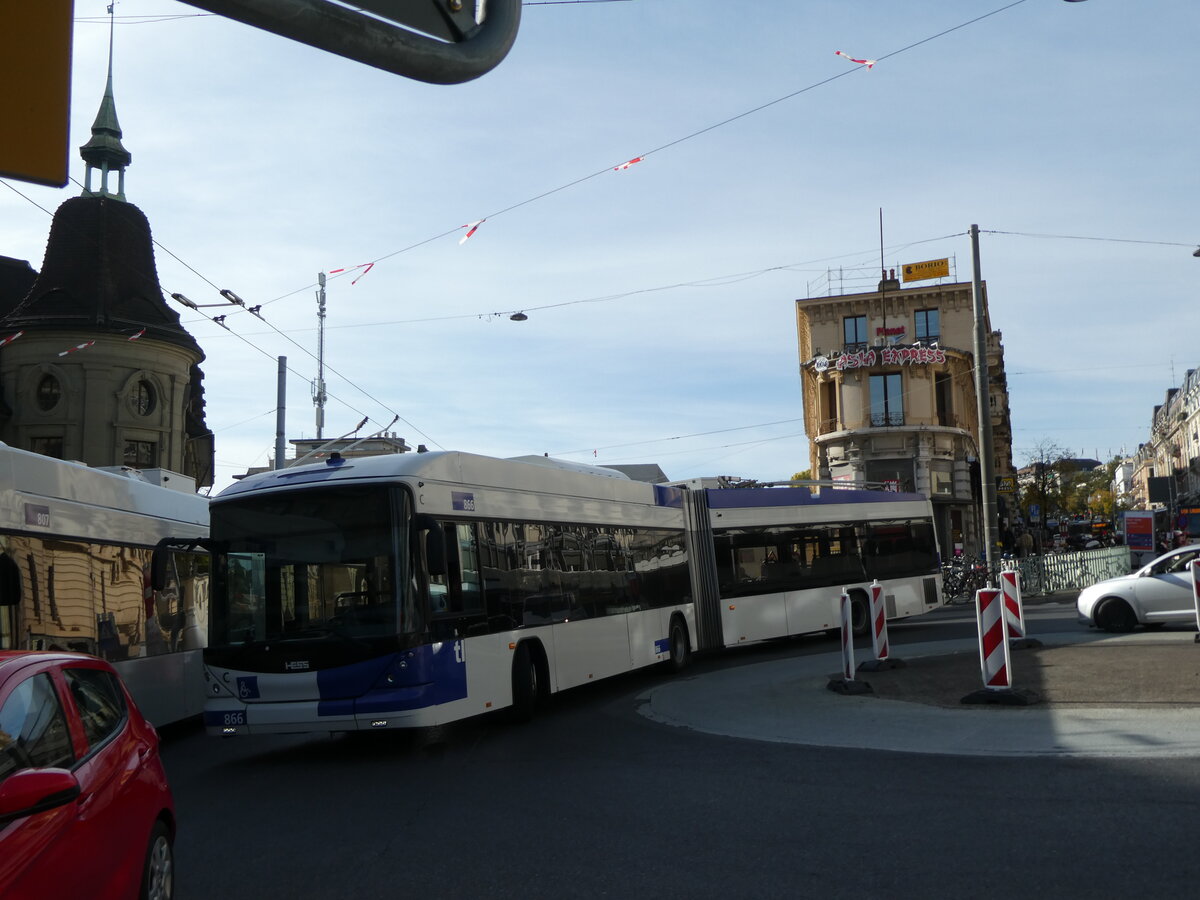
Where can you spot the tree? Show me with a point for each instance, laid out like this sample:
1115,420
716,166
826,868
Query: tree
806,475
1042,481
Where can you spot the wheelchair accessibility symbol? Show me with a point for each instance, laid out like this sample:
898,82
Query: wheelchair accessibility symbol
248,687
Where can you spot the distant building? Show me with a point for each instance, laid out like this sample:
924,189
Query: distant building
1123,483
1055,469
889,397
94,365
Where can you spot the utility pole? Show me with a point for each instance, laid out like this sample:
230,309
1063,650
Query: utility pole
987,463
280,411
318,387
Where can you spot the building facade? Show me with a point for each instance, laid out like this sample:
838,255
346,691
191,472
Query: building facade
889,397
1166,469
94,365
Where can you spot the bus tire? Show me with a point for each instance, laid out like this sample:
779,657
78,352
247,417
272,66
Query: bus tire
526,684
679,652
860,614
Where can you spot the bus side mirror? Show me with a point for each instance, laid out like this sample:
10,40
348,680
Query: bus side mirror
160,559
435,544
10,581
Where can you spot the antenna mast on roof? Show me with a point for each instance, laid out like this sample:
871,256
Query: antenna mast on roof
318,386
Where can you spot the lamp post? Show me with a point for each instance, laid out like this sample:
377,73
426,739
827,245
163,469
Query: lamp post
987,462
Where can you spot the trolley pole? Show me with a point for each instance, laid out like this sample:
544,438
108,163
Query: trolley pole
987,462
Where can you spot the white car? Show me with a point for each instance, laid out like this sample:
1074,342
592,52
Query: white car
1158,593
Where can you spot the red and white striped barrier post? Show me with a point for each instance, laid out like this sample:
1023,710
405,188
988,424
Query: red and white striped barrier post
879,636
994,660
847,637
1014,613
1194,568
846,683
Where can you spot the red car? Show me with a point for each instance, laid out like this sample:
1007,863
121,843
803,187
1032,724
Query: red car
85,809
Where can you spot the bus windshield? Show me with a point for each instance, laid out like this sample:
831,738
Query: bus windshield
313,564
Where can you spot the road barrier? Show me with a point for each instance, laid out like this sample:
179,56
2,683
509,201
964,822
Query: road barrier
847,637
879,635
994,661
1014,613
847,684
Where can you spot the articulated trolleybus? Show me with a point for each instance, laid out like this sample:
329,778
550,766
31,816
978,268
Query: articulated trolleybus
76,545
408,591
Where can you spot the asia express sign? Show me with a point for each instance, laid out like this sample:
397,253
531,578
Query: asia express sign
891,356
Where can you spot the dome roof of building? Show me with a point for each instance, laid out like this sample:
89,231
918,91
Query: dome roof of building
98,274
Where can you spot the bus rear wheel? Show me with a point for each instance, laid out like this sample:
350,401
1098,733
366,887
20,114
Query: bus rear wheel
680,651
525,684
860,614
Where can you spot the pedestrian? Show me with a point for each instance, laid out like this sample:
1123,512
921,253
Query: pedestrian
1025,544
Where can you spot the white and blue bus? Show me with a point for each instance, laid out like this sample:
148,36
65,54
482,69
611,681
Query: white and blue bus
783,555
76,545
413,590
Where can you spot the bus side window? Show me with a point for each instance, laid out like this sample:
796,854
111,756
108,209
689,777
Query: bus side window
468,567
458,593
443,565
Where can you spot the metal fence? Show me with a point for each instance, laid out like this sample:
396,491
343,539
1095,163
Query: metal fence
1069,571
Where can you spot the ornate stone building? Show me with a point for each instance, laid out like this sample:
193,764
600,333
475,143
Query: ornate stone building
1171,457
889,397
94,365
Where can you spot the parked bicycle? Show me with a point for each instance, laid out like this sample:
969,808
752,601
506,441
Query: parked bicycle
962,577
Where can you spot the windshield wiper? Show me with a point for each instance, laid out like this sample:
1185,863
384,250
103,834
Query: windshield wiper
326,631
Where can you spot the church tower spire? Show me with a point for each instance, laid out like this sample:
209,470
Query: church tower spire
105,151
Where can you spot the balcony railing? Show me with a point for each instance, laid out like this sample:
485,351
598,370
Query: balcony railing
880,420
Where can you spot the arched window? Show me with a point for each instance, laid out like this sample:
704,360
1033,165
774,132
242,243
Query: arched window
49,392
144,399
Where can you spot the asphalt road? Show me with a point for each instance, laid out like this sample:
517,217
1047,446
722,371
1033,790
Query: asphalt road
594,800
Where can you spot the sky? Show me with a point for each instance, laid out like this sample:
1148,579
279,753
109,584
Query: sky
660,297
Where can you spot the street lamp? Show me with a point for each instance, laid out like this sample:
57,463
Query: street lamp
983,408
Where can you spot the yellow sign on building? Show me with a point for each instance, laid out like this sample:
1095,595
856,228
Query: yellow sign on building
932,268
35,89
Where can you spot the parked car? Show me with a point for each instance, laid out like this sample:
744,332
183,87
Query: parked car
1158,593
85,808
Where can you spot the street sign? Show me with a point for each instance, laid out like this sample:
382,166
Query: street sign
1006,484
35,90
932,268
1035,512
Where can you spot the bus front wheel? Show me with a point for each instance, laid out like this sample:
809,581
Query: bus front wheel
525,684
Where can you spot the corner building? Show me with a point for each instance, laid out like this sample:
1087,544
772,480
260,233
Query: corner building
889,398
94,366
